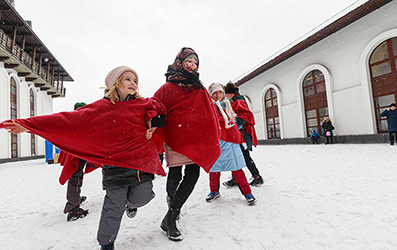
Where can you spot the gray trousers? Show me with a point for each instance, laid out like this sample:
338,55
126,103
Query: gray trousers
74,188
114,207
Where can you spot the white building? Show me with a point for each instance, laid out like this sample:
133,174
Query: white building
30,77
345,69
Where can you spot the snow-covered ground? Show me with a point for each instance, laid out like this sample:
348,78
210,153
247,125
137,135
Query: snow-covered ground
314,197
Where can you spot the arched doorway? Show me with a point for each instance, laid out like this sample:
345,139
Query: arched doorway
383,71
315,100
13,112
272,117
32,113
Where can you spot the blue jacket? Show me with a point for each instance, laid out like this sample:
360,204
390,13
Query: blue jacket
315,135
391,117
231,158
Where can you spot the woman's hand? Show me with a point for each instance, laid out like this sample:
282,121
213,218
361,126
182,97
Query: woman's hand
149,133
14,127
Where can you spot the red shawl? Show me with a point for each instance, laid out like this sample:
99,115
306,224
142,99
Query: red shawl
70,165
242,110
104,133
229,134
192,127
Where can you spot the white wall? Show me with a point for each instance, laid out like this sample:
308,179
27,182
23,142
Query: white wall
339,55
5,151
43,105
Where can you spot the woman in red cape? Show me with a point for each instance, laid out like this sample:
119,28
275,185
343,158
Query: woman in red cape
191,134
111,132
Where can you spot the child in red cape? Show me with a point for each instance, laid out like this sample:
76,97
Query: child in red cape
231,158
111,132
245,121
191,134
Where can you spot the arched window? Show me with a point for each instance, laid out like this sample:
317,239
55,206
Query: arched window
272,119
383,70
315,99
32,136
13,100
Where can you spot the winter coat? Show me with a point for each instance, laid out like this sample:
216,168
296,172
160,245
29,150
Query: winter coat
391,117
117,177
231,158
245,120
327,125
192,128
315,135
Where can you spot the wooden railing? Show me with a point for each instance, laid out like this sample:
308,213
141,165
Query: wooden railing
26,59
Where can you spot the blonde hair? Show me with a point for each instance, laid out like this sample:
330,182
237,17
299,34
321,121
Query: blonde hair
113,94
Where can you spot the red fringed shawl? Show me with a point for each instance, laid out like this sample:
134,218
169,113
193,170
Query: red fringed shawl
192,127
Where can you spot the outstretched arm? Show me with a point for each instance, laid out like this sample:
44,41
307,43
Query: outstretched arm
14,127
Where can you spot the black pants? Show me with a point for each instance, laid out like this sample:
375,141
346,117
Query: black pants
393,136
249,162
179,191
74,188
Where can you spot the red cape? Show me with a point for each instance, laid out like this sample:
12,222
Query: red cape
229,134
70,164
104,133
242,110
192,127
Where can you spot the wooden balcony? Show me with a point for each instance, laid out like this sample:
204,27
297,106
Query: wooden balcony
14,57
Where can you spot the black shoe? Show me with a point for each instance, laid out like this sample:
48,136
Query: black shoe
82,199
168,225
230,183
212,196
76,214
108,246
130,212
250,199
257,181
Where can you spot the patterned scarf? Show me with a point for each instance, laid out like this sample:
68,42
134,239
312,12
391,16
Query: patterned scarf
179,73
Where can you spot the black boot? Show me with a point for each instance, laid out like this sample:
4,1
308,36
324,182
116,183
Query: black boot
108,246
169,225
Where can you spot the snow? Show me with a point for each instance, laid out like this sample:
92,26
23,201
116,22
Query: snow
318,197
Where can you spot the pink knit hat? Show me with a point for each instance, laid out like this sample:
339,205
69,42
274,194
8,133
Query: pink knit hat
112,76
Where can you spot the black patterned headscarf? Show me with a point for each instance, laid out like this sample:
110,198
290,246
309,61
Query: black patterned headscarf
180,74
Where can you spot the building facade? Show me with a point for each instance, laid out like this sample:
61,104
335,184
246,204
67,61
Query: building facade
30,77
346,70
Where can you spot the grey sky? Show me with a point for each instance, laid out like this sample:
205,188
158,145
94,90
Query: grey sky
89,38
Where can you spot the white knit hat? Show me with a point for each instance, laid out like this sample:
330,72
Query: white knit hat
227,114
215,87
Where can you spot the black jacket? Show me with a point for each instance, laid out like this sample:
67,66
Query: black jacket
327,126
117,177
391,116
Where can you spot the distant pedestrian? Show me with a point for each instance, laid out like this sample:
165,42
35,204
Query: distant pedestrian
328,128
314,136
391,117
